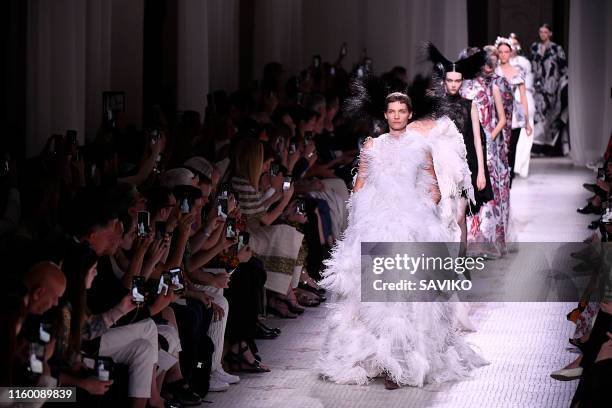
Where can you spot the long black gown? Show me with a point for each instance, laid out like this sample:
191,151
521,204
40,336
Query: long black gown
459,111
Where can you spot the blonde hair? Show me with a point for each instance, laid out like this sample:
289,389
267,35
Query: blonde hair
249,160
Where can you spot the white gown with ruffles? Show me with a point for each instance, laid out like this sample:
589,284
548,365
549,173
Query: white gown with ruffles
413,343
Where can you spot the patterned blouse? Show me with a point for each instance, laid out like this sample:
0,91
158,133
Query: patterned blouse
518,112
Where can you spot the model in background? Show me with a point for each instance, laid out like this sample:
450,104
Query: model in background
550,84
487,229
520,110
523,148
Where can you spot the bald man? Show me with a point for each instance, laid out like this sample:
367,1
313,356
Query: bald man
46,283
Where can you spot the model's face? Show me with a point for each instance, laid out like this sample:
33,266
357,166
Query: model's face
397,116
544,34
504,53
452,82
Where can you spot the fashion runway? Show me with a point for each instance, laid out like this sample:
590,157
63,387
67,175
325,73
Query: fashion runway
523,341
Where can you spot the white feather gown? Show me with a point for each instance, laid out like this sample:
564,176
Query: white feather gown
412,343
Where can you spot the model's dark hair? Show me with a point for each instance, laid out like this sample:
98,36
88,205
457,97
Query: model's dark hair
398,97
546,25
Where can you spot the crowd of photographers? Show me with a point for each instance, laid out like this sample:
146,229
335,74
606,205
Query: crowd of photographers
141,264
592,339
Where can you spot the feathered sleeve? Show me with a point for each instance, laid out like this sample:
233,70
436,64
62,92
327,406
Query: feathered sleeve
365,156
452,172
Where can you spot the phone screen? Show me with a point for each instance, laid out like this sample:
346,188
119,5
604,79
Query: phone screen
138,289
176,276
143,223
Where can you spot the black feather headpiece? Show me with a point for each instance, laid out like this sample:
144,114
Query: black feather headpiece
468,67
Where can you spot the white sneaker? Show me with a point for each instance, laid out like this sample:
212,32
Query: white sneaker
220,374
216,385
567,374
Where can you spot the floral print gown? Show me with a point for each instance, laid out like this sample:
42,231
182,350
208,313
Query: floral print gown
488,228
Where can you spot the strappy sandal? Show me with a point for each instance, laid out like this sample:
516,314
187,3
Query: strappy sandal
238,363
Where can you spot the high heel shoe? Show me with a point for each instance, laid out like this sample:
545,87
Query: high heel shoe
293,308
261,333
268,328
281,310
237,362
306,286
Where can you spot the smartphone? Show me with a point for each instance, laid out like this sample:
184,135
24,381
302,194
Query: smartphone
360,72
332,71
165,281
287,183
225,190
160,230
243,239
292,148
300,207
104,368
185,203
78,155
71,137
154,136
177,280
274,169
222,207
6,165
143,227
230,228
36,354
138,289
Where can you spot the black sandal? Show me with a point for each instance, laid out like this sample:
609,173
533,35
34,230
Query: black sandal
237,362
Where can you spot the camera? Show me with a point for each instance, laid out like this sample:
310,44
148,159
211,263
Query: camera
165,281
160,230
222,207
243,239
287,183
138,283
230,228
177,280
143,225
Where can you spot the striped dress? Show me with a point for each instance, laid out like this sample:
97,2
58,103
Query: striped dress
277,245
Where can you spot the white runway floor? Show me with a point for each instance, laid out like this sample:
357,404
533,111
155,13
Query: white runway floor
523,341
